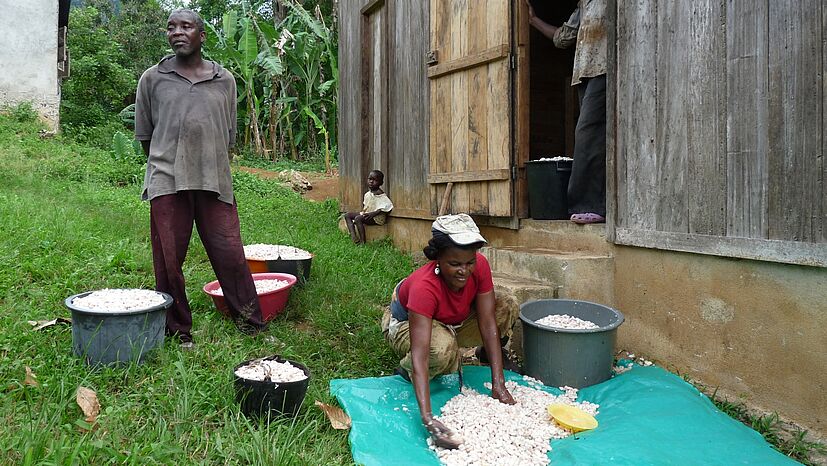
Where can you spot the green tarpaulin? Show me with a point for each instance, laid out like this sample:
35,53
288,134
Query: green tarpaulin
647,416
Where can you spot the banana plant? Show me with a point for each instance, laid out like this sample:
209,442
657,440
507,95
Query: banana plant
287,76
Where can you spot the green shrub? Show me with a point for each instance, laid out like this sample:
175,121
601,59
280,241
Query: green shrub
127,116
244,182
101,81
95,136
128,160
64,159
23,112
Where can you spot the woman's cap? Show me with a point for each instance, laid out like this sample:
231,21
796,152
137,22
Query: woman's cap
460,228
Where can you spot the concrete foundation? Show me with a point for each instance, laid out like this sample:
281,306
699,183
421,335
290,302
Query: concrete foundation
373,232
756,330
28,57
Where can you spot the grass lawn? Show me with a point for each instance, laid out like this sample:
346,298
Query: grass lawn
72,220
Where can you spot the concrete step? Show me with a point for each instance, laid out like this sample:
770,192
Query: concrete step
373,232
575,275
526,289
564,235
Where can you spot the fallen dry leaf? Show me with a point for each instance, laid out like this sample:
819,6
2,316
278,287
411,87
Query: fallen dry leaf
338,419
41,324
31,379
88,401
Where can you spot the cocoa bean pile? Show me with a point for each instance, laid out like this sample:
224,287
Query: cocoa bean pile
270,370
262,286
118,300
566,321
495,433
269,252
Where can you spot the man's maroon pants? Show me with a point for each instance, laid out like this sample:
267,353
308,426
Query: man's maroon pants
171,218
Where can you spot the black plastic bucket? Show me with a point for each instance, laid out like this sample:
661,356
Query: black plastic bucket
299,268
548,183
270,400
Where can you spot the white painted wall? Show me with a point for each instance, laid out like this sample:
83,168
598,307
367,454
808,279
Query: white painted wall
28,56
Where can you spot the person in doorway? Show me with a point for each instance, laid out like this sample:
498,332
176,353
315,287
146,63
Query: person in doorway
375,208
447,304
185,119
586,28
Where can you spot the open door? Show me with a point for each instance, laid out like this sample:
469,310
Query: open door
471,125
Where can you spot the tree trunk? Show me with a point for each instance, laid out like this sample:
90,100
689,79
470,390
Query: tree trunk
327,153
251,110
294,153
279,11
274,119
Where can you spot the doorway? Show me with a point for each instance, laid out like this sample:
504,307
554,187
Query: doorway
554,105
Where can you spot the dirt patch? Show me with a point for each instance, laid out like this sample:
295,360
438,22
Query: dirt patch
324,186
305,327
323,189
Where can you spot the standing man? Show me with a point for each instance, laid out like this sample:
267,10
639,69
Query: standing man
586,27
185,118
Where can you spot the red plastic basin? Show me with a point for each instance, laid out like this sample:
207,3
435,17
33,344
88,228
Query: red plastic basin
272,303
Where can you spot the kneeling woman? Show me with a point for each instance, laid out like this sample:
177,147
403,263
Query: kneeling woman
446,304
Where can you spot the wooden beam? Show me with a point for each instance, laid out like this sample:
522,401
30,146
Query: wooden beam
486,56
366,97
789,252
371,6
421,214
470,176
446,198
611,123
522,106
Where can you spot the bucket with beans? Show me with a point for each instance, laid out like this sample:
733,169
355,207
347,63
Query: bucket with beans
273,290
270,387
569,342
279,258
114,326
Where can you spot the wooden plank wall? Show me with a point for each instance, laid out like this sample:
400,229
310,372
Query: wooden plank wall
350,105
747,138
720,126
408,108
637,197
796,125
377,92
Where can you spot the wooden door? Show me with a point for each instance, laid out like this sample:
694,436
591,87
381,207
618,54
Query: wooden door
471,107
374,49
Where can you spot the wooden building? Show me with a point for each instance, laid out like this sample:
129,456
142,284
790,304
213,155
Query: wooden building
716,179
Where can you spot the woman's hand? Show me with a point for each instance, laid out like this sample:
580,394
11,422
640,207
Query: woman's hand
443,436
499,392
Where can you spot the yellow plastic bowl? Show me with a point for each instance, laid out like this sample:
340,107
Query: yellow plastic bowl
574,419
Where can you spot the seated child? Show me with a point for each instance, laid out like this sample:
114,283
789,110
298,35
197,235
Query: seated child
375,208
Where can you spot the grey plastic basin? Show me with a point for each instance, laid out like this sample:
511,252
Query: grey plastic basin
103,337
569,357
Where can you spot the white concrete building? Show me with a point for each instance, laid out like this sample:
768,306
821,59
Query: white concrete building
33,57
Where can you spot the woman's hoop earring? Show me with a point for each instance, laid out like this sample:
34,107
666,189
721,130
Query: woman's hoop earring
436,270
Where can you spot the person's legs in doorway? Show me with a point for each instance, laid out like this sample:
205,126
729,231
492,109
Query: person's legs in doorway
587,185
